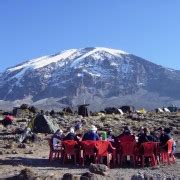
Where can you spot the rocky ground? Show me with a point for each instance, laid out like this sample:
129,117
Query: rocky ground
34,156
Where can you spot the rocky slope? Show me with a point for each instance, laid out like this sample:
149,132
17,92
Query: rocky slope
99,76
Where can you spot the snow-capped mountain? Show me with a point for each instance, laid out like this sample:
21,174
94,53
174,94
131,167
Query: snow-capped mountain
99,76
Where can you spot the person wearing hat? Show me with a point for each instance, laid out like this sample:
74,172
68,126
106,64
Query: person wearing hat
58,134
126,132
126,135
71,135
57,138
91,134
141,131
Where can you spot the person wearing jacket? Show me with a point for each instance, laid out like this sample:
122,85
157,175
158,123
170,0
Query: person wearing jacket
57,138
146,137
71,135
91,134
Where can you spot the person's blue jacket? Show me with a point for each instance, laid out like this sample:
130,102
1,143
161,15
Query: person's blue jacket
91,136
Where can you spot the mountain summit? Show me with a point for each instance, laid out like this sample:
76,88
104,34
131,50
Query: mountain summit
95,75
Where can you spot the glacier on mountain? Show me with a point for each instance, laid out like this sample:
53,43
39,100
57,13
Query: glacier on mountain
94,74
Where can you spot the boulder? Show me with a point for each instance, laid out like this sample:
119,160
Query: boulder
99,169
25,174
88,176
67,176
137,176
28,152
8,146
14,152
21,145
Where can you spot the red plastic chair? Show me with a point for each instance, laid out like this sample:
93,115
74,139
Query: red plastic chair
89,149
70,149
127,149
167,156
149,151
127,138
54,154
103,150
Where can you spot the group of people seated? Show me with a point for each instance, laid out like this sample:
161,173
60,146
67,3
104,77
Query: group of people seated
161,135
73,135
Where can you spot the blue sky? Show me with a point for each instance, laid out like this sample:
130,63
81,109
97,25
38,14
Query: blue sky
149,29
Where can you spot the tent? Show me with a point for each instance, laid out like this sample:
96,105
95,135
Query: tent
172,109
43,124
120,111
166,110
111,110
127,109
82,110
159,110
141,111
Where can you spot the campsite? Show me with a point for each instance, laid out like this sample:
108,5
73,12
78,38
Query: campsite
30,159
89,90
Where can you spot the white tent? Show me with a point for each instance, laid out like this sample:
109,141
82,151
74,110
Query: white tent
166,110
160,110
120,111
